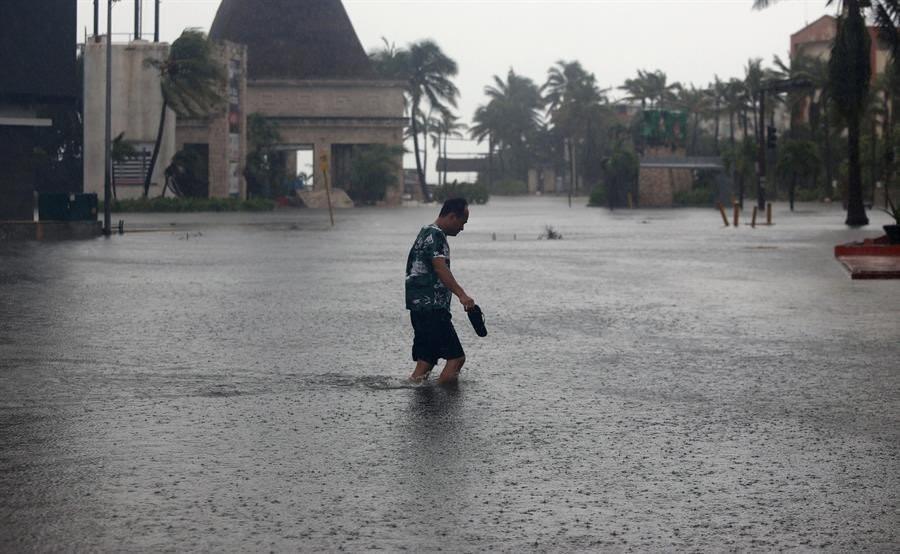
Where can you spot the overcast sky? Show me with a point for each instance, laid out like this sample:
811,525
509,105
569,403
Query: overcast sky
690,40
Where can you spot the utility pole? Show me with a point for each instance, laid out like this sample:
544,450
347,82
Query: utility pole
137,19
96,20
107,177
156,22
761,153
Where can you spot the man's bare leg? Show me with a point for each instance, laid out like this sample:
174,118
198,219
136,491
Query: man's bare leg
451,370
421,372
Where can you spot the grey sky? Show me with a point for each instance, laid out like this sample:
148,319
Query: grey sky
690,40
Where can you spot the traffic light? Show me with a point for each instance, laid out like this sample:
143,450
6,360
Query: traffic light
771,137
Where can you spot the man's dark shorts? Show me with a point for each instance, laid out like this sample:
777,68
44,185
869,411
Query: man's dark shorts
435,336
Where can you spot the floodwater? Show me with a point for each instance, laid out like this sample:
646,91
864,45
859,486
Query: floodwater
652,381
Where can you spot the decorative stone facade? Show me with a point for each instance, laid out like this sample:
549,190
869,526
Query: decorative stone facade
657,186
225,132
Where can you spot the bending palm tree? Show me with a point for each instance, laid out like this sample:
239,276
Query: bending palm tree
429,71
849,72
572,99
191,83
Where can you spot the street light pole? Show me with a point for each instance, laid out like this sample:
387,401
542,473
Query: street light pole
96,20
761,153
137,19
107,177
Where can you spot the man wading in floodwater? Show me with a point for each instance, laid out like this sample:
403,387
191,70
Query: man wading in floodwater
428,287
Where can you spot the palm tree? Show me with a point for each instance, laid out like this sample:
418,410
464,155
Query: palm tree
486,121
191,82
426,124
796,158
428,71
448,126
517,102
573,101
696,103
658,90
796,67
753,78
849,70
637,90
716,92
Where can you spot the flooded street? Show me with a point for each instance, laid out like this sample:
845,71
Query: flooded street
652,381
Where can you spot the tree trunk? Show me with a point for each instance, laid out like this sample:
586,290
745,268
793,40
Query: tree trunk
716,135
490,162
793,188
156,147
694,135
415,135
856,212
445,159
829,175
889,154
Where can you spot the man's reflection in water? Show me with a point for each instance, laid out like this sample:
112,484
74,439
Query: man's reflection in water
435,429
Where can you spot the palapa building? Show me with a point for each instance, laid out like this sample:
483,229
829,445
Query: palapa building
297,63
307,72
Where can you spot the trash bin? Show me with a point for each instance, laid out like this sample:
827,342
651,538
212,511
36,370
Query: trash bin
53,206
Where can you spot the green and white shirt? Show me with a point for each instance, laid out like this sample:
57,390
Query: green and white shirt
424,290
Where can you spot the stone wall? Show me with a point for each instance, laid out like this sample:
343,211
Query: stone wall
657,186
323,113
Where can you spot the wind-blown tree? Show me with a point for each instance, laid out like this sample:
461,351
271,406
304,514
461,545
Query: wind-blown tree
427,72
448,127
426,125
637,90
796,67
717,94
574,104
695,102
516,103
849,70
191,82
753,78
485,123
849,73
660,92
797,159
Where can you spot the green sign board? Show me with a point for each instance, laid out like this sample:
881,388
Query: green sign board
664,127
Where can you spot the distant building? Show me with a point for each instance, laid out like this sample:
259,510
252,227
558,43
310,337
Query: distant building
38,89
134,113
815,41
308,73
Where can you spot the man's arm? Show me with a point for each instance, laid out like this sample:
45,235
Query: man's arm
446,277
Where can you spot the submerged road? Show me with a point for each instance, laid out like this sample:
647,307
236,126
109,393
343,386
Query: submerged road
652,381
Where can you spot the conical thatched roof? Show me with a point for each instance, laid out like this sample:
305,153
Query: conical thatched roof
293,39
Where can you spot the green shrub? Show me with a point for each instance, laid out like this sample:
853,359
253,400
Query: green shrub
695,197
807,195
373,169
473,192
172,205
598,197
509,187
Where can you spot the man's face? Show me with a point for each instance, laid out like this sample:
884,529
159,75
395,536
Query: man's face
457,223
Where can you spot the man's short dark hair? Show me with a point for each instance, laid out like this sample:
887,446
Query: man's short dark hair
454,206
